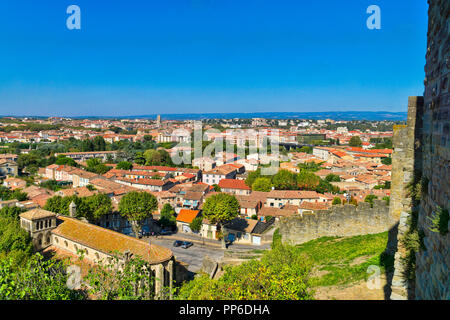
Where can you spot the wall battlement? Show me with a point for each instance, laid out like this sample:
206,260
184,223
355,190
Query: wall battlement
340,220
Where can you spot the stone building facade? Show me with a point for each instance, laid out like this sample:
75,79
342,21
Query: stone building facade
421,163
69,236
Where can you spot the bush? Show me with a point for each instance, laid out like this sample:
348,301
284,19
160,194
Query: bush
281,274
336,201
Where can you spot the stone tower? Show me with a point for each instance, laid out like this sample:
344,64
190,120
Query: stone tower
39,223
158,120
72,210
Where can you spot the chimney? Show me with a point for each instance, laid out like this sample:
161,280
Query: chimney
72,209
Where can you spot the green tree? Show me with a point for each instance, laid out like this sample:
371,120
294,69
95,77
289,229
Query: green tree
307,180
136,206
219,209
7,194
355,141
140,158
12,212
167,218
252,176
387,161
112,280
87,145
284,180
152,157
196,224
98,205
216,188
15,242
336,201
124,165
369,198
95,165
262,184
99,143
310,166
332,178
39,279
325,186
63,160
306,149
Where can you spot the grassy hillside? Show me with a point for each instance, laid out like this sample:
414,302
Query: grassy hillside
339,261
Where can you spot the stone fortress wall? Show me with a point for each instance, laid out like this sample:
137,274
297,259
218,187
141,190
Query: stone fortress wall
421,158
340,220
405,164
420,161
432,263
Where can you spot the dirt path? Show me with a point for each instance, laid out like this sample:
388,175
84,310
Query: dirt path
358,291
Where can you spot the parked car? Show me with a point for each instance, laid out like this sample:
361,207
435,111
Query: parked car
165,232
177,243
186,244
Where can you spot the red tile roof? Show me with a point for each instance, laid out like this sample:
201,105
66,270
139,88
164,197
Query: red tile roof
233,184
187,216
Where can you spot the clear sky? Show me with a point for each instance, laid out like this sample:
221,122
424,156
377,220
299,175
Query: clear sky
139,57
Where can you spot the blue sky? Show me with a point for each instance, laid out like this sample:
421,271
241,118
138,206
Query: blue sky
139,57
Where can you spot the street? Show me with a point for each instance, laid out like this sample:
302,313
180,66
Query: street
193,255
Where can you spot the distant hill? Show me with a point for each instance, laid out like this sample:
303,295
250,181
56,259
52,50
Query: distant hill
334,115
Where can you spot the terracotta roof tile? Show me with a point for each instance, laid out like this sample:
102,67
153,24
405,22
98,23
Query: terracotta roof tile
108,241
187,216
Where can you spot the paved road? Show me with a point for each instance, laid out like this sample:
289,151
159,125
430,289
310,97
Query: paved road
193,255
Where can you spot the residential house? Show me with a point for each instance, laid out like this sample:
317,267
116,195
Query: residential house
245,231
249,206
279,198
209,230
184,219
204,163
155,185
234,186
8,168
14,183
222,172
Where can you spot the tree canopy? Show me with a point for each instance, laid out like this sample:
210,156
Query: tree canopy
262,184
220,208
124,165
92,208
136,206
167,218
284,180
355,141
